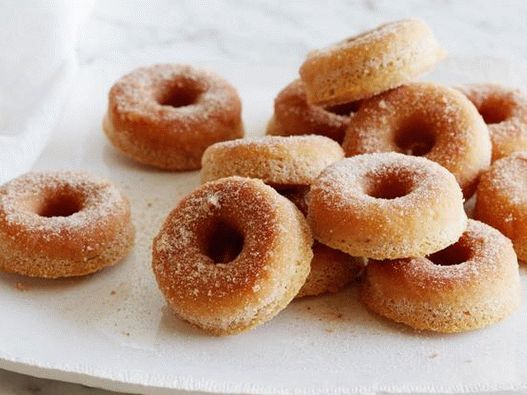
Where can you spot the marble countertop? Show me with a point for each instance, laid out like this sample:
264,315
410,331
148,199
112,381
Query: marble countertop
276,33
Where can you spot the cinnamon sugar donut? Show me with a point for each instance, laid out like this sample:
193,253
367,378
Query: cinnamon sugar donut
470,284
278,161
231,255
502,199
370,63
505,112
166,115
62,224
293,115
331,271
386,206
427,120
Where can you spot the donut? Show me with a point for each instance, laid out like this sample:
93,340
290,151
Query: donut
386,206
424,119
62,224
293,115
370,63
470,284
505,113
502,200
231,255
331,271
278,161
167,115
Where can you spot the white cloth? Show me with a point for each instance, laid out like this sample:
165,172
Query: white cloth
37,67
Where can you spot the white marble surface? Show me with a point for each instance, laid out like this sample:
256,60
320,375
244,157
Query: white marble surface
275,33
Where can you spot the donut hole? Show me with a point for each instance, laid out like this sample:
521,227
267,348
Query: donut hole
223,242
59,205
415,137
180,97
495,110
344,109
387,186
455,254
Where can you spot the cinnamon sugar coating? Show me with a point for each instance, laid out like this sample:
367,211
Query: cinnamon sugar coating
469,285
370,63
293,115
231,255
386,206
167,115
502,199
278,161
505,112
424,119
62,224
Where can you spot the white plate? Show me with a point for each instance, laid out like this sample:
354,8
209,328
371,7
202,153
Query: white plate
113,330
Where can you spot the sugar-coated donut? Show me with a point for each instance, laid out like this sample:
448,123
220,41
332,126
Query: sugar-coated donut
278,161
331,271
166,115
424,119
505,112
231,255
62,224
470,284
293,115
386,206
502,199
370,63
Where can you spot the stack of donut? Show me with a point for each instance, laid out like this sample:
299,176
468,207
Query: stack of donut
288,215
416,151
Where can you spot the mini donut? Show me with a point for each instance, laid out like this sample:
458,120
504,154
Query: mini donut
505,112
231,255
62,224
331,271
166,115
424,119
502,199
293,115
386,206
278,161
470,284
370,63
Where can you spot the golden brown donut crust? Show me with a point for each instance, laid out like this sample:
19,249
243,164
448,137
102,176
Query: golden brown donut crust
428,120
293,115
167,115
62,224
278,161
502,200
386,206
370,63
505,112
252,286
475,284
